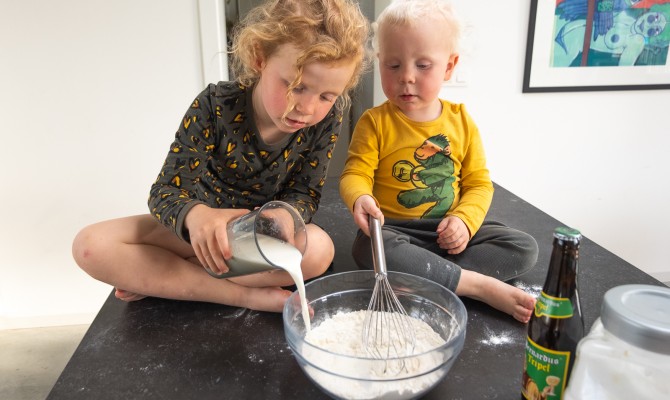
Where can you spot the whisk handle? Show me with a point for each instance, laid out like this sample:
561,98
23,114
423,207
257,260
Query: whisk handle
378,258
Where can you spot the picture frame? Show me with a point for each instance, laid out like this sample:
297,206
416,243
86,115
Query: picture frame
619,55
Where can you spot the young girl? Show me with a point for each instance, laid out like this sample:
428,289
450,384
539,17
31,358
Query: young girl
267,136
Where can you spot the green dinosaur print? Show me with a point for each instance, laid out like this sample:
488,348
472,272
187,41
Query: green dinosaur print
433,177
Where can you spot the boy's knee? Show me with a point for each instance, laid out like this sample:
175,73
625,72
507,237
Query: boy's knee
529,251
361,251
394,248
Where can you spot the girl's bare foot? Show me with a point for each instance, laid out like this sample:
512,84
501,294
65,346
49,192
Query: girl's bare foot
128,296
497,294
261,299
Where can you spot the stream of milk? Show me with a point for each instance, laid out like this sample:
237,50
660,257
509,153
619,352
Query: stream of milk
281,254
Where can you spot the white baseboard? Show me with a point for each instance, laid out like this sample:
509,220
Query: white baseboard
44,321
661,276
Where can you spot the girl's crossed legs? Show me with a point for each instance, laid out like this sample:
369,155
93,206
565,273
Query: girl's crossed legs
140,257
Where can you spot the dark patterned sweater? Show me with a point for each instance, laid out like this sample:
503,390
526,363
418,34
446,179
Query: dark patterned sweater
219,159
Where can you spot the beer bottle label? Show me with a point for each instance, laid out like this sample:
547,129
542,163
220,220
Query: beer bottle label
553,307
546,372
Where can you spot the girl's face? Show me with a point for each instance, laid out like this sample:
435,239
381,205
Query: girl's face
413,64
320,86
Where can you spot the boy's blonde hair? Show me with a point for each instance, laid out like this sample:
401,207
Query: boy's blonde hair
326,31
411,12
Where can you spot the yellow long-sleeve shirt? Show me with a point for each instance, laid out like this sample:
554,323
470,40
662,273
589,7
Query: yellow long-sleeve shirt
419,169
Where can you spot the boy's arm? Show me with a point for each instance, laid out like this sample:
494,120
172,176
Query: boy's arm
357,178
476,187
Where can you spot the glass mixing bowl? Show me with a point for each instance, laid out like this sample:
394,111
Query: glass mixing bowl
348,377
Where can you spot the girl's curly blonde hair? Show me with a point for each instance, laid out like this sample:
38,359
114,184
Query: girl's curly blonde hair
326,31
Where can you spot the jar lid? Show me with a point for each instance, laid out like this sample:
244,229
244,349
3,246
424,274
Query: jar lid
640,315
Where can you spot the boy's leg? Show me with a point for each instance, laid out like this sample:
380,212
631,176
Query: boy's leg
408,254
497,294
499,251
410,246
139,255
495,250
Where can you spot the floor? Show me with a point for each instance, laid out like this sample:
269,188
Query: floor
31,360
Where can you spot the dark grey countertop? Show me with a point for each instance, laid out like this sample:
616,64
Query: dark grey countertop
164,349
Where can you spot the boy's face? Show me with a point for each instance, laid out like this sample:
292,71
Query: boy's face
320,86
413,63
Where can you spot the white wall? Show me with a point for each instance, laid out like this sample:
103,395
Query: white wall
594,160
91,93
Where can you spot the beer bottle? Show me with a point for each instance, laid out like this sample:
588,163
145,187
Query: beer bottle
556,325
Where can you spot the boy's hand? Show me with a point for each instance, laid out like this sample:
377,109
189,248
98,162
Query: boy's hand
453,235
209,238
363,208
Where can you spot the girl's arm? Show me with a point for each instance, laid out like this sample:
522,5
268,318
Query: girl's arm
173,193
303,190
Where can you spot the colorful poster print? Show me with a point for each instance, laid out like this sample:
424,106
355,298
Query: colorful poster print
588,45
611,33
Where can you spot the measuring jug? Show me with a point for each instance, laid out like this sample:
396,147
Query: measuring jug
270,237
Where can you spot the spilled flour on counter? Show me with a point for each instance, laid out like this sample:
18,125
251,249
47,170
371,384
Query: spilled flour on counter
342,334
497,339
533,290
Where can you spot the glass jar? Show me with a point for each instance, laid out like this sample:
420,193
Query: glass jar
626,355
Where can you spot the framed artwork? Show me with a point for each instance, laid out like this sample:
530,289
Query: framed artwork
590,45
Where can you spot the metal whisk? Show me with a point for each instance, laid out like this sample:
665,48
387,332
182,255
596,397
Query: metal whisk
387,331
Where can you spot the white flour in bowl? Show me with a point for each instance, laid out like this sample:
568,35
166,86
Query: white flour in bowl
343,334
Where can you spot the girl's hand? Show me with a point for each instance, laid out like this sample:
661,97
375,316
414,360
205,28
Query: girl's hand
209,238
453,235
363,208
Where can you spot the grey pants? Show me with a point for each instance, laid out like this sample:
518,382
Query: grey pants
411,246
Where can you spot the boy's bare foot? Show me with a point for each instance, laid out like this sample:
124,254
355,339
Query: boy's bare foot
128,296
497,294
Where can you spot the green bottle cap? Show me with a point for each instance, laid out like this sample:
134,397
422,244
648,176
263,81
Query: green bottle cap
568,234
